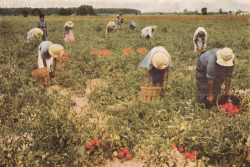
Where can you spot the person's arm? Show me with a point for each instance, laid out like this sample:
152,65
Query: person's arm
46,29
150,33
210,90
54,68
227,85
166,72
64,32
44,63
148,78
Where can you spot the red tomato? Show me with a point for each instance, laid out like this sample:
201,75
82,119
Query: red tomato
128,156
120,154
92,147
92,142
87,146
188,154
125,150
195,153
192,157
181,149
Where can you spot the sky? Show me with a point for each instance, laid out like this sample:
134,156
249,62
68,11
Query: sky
142,5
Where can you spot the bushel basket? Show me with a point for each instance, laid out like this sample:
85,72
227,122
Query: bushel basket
63,60
224,98
41,75
150,94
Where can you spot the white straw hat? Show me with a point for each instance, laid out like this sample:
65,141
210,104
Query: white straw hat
225,57
38,32
69,24
154,27
160,60
56,50
111,23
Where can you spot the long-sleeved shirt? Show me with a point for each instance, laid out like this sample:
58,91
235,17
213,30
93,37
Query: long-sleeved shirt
30,34
209,66
44,49
156,75
147,31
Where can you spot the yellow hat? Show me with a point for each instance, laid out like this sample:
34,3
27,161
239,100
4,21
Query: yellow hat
154,27
38,32
69,24
56,50
225,57
110,24
160,60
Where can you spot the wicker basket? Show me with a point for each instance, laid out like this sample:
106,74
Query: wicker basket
223,98
63,60
150,94
42,76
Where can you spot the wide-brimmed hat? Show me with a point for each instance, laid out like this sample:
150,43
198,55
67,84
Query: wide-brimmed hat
38,32
154,27
56,50
160,60
111,23
225,57
69,24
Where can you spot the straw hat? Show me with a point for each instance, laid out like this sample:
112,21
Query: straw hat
225,57
160,60
111,23
154,27
38,32
56,50
69,24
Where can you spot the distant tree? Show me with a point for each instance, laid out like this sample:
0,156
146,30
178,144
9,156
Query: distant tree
64,12
85,9
220,11
204,11
185,11
239,11
36,12
25,13
196,12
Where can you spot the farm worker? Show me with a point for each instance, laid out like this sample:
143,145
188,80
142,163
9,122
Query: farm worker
67,32
34,32
110,28
43,26
132,25
157,63
212,69
118,21
47,54
148,32
200,39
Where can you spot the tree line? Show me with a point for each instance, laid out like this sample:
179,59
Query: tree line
82,10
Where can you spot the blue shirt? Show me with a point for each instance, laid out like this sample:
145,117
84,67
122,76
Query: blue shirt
156,75
118,21
44,49
41,25
212,69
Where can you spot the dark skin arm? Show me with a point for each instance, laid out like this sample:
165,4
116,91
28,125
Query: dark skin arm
54,68
148,78
44,63
227,85
163,86
210,91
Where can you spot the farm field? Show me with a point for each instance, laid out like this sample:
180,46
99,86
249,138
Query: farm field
98,96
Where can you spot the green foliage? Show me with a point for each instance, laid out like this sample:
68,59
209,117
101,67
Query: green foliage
65,12
85,9
42,119
204,11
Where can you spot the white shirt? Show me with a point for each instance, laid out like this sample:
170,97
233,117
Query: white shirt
147,31
30,34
